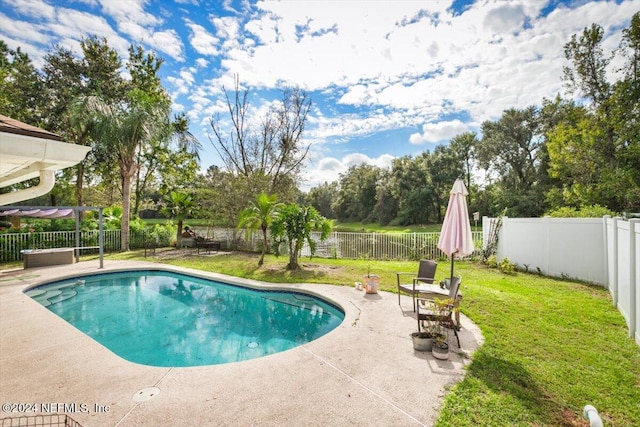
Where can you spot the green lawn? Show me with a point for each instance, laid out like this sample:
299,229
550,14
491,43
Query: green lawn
340,226
550,348
357,227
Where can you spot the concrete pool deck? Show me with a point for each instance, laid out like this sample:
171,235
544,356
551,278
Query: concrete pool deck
365,372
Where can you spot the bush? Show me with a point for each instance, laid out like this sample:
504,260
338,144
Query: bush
163,234
491,262
590,211
506,266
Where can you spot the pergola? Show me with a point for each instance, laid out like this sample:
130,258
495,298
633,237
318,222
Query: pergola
55,212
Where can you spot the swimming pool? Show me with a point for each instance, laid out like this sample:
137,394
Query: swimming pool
163,318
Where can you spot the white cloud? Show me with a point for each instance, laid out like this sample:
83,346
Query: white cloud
328,169
164,41
167,41
201,62
228,30
143,27
22,30
202,41
495,55
129,11
354,126
39,9
505,18
438,132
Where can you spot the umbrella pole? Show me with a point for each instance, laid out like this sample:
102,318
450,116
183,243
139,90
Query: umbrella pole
452,259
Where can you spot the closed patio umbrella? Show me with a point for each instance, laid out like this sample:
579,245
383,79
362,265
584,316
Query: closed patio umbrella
455,236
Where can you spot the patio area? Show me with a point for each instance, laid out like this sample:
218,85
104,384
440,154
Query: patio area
365,372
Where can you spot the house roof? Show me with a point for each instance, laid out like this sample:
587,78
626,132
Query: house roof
28,152
9,125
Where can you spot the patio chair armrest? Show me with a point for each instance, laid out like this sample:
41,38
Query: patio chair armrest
403,274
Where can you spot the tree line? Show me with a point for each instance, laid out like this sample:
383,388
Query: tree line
563,155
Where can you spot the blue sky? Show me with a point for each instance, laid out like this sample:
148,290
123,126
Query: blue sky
387,78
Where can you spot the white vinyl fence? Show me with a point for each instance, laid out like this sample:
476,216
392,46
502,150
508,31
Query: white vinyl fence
623,268
603,251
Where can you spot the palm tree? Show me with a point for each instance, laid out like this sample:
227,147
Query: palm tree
294,224
260,216
179,206
126,128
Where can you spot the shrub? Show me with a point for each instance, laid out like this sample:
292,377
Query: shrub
491,262
590,211
506,266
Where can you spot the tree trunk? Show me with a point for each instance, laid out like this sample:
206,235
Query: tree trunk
126,208
79,185
293,257
264,246
179,236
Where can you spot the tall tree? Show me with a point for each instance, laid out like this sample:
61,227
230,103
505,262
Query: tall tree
589,66
357,196
511,147
608,133
322,197
66,78
260,215
387,203
126,128
20,86
625,113
170,163
411,186
275,150
464,146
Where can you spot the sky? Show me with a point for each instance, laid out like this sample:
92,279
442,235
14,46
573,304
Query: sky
386,78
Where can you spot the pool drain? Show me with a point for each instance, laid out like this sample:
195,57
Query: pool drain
146,394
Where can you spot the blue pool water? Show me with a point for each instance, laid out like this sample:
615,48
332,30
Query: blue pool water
162,318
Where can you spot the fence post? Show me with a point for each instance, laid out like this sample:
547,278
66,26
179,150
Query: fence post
76,214
615,262
632,277
605,235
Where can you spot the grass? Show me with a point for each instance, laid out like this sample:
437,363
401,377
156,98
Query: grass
338,226
551,346
358,227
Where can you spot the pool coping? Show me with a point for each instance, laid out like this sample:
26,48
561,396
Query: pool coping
365,372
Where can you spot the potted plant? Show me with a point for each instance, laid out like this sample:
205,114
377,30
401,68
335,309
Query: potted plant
440,347
443,308
371,282
423,340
